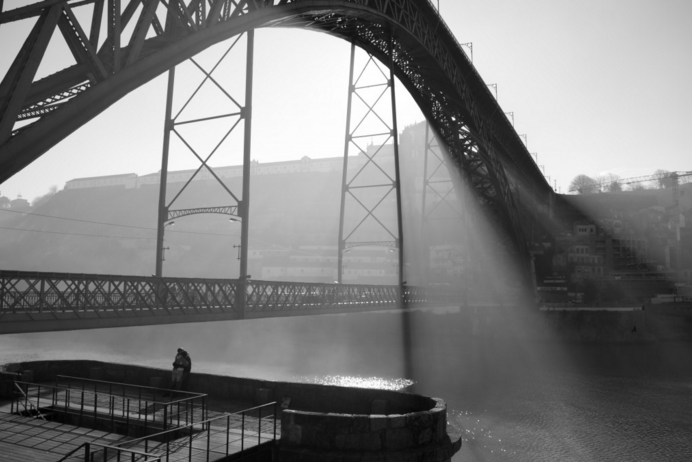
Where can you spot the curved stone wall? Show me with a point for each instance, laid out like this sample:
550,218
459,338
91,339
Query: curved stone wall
323,436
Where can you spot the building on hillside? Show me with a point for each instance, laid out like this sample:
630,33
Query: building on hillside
361,265
305,164
126,180
20,204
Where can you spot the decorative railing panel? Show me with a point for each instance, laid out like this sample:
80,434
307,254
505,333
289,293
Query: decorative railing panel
129,300
87,295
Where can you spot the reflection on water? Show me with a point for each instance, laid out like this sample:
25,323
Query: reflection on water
379,383
572,418
511,400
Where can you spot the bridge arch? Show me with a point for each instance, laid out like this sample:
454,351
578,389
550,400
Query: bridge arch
427,60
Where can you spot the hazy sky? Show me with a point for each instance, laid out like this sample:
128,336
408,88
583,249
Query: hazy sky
596,87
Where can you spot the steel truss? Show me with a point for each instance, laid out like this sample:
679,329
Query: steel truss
33,302
240,211
424,54
388,179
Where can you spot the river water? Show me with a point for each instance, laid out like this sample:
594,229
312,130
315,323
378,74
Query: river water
511,398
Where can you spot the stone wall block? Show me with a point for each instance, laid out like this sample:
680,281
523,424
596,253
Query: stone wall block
292,435
397,421
340,441
315,437
361,442
419,420
371,442
374,458
425,436
378,422
399,438
360,424
439,423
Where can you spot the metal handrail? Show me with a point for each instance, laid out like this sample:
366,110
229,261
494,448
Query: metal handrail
23,294
207,423
27,401
87,452
169,419
144,387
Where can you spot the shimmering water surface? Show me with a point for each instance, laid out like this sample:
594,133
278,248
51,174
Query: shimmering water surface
509,401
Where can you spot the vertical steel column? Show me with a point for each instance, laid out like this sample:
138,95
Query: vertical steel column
163,178
405,316
425,228
347,141
397,176
247,152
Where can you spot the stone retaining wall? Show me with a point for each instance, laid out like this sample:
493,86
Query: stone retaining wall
420,436
306,397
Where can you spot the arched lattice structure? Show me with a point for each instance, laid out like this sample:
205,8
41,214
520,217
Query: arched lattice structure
426,57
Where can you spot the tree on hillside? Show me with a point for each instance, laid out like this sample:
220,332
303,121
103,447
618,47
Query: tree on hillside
583,184
4,202
40,200
614,186
663,179
637,187
609,182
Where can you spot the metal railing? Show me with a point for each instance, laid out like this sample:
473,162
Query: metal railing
116,407
33,293
187,405
105,452
210,439
63,296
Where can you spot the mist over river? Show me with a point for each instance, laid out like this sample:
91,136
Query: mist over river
513,396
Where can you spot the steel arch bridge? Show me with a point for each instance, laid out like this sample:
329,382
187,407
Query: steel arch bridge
145,38
425,56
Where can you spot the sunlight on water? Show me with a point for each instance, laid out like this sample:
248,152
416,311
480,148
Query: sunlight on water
357,382
478,435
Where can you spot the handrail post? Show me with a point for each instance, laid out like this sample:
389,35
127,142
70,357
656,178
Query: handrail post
259,427
274,420
189,444
228,431
242,432
112,411
87,452
208,438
